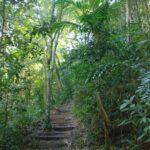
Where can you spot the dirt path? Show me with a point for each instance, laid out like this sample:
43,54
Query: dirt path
60,138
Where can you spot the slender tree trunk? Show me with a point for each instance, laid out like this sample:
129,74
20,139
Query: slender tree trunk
2,65
103,111
47,65
3,24
147,11
6,120
138,14
6,111
49,98
45,79
127,12
106,121
51,60
49,75
128,19
61,86
59,64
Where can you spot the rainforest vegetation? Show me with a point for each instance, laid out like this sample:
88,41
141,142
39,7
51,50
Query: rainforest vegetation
91,54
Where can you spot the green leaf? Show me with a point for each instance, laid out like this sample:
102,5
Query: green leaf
124,105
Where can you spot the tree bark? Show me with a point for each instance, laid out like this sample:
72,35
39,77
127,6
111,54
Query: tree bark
52,50
106,121
61,86
3,24
128,20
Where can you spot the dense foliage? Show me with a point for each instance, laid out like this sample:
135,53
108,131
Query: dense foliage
113,62
91,53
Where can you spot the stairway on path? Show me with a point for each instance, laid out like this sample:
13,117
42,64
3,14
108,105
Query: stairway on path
60,138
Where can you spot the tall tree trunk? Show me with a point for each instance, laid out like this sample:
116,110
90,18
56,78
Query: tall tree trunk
60,83
147,11
3,24
2,54
45,79
48,85
128,19
48,75
52,50
106,121
51,43
59,64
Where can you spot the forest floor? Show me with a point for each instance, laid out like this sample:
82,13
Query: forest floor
64,129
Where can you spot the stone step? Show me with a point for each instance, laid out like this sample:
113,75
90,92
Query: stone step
64,117
57,121
43,144
60,119
52,137
63,128
63,148
41,133
63,124
60,137
61,112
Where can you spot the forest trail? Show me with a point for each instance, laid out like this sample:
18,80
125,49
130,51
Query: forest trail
61,136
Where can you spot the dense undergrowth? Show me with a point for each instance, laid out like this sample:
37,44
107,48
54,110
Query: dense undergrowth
113,62
94,54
